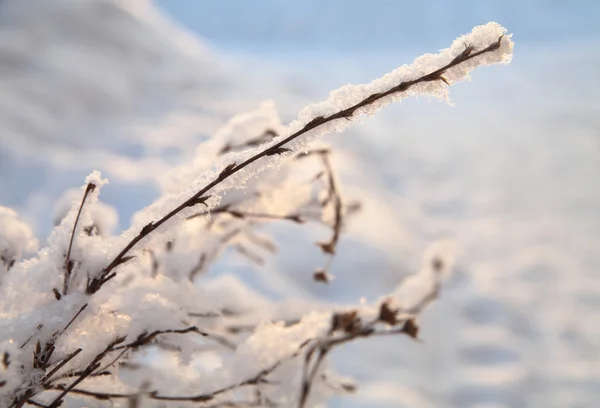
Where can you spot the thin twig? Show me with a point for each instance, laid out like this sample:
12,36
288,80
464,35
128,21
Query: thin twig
57,402
36,404
60,365
207,257
353,331
68,264
337,203
81,309
248,214
334,197
107,273
113,361
42,356
88,371
267,136
147,338
38,328
256,379
306,386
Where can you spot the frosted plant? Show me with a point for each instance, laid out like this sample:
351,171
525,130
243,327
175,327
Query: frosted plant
100,320
16,238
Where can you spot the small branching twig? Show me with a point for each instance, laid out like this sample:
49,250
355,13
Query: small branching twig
62,375
437,75
267,136
258,378
248,214
92,366
205,258
68,268
42,356
351,327
146,338
60,365
334,197
37,330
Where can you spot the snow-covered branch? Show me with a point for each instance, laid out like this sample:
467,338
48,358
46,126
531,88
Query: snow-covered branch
132,319
428,75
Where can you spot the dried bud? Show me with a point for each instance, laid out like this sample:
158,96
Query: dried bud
437,264
124,259
91,230
387,314
8,262
56,293
69,266
327,247
321,275
278,150
296,218
348,387
270,133
119,340
199,200
236,214
347,321
227,170
225,149
90,187
315,122
411,328
6,359
148,228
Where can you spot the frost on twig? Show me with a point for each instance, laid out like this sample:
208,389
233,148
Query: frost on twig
428,75
78,318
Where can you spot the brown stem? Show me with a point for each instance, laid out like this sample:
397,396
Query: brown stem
256,379
107,273
57,402
92,366
308,381
248,214
68,264
146,338
60,365
333,194
36,404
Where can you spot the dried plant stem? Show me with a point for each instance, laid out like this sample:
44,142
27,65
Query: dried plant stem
68,263
437,75
254,380
334,197
42,356
247,214
60,365
88,371
321,346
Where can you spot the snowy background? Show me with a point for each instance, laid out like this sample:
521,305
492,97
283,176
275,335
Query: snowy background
510,173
